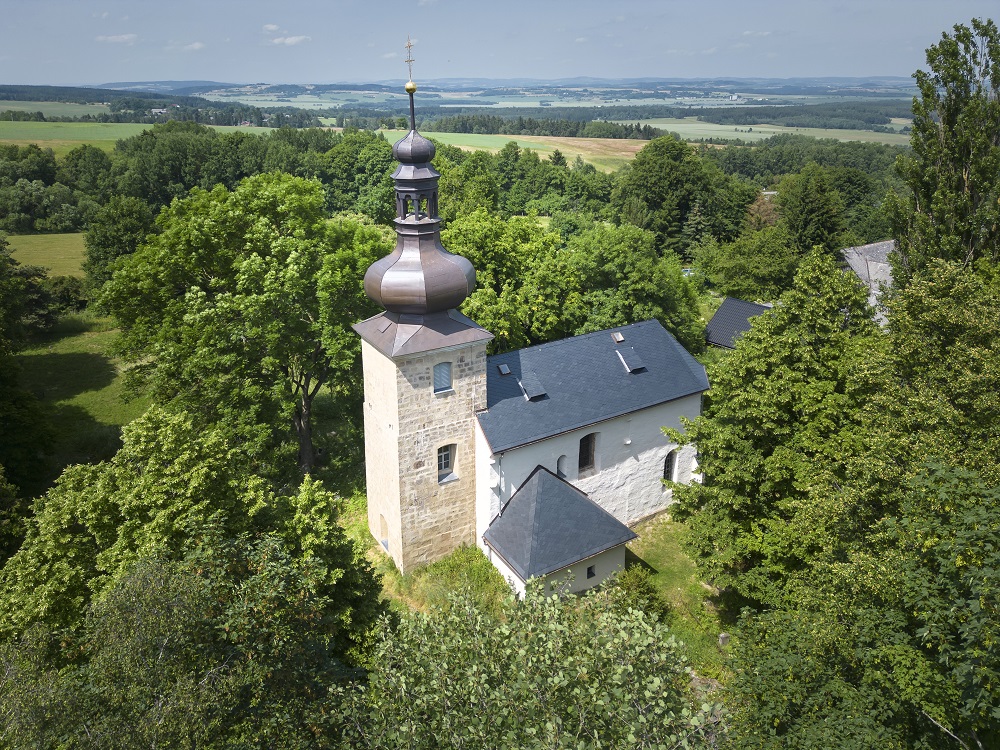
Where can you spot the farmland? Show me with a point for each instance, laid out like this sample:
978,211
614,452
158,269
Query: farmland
62,137
55,109
692,129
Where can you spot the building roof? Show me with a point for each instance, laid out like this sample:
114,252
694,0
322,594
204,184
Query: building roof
548,525
731,321
572,383
397,335
871,264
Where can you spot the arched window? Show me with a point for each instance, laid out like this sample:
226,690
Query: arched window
669,465
561,467
588,452
442,377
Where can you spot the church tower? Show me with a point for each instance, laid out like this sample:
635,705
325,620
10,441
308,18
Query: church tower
425,376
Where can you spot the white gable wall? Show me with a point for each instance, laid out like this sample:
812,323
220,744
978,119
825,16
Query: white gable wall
569,580
629,458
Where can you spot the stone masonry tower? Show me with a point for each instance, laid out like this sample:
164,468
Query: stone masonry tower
425,376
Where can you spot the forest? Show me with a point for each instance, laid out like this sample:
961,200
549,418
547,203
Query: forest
196,585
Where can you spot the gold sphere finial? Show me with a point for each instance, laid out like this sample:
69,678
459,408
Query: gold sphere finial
410,87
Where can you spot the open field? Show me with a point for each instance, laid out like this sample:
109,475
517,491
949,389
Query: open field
55,109
690,128
81,389
63,137
62,254
606,154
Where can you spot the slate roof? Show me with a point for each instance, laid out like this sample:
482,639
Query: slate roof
731,320
399,335
871,264
584,380
548,525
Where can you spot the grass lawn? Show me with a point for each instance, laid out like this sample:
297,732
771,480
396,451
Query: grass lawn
81,387
428,586
694,618
62,254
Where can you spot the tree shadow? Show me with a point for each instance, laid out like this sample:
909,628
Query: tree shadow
729,605
56,376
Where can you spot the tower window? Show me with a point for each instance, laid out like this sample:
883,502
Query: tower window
588,443
561,467
669,464
446,463
442,377
591,571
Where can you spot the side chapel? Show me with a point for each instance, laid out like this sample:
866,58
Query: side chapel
541,456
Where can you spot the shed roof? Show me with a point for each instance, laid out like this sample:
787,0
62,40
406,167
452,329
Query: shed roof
548,525
731,320
568,384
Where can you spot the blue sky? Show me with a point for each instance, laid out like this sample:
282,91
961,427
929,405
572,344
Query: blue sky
324,41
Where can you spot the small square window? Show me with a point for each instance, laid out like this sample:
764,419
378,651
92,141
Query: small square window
590,571
446,463
442,377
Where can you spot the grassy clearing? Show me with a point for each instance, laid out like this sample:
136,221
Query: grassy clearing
62,254
694,618
55,109
465,568
690,128
81,388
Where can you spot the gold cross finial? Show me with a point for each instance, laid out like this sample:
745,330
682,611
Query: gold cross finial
409,56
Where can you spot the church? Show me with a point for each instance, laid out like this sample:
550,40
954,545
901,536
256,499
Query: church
542,456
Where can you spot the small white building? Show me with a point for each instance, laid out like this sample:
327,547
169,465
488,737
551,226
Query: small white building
541,456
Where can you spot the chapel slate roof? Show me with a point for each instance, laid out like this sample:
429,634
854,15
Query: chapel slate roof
584,380
871,264
731,321
548,525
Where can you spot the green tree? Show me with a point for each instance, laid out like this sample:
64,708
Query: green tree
543,672
663,185
239,310
895,648
777,423
757,265
811,208
608,276
88,169
172,483
117,230
234,644
952,210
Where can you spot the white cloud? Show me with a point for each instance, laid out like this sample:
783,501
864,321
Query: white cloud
580,39
756,33
117,38
710,51
390,55
194,46
290,41
270,27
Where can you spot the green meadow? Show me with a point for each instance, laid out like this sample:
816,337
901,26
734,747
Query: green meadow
62,254
691,128
55,109
63,137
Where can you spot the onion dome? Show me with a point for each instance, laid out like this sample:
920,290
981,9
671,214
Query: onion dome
419,277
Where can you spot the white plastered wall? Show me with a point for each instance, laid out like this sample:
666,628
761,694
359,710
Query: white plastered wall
629,462
570,580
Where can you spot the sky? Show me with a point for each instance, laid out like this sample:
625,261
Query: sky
81,42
